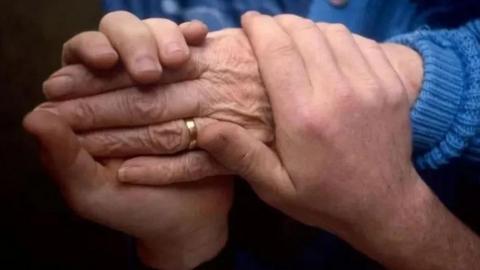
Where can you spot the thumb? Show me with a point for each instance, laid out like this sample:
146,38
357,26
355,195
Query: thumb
61,152
235,149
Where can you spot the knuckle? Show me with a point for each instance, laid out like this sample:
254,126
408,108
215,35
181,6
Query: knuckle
83,112
285,48
309,123
166,139
343,90
305,25
322,25
113,17
373,46
372,101
91,38
160,22
397,97
302,27
144,106
194,167
287,18
246,161
318,125
372,93
101,144
219,140
337,29
170,173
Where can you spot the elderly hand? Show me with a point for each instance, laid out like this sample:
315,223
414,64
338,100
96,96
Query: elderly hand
341,158
220,82
177,226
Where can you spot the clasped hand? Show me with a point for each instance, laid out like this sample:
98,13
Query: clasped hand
315,118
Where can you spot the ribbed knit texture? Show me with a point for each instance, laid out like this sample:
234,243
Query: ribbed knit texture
446,116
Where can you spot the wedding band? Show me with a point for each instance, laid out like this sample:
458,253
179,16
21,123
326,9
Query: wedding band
192,132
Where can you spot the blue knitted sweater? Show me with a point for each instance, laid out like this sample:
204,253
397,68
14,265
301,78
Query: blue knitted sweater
445,117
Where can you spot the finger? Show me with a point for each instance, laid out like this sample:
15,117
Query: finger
162,139
381,67
78,81
168,138
134,42
172,47
232,147
62,154
313,47
280,64
194,32
187,167
132,107
90,48
347,54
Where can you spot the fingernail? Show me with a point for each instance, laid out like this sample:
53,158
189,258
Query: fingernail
251,13
56,87
147,64
48,107
198,22
129,174
175,49
105,51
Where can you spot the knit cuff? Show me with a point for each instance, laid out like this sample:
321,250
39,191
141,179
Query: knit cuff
444,118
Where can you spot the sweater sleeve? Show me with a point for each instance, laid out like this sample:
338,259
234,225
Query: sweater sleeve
446,115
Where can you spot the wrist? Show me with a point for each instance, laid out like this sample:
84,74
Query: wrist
417,232
186,253
391,232
408,64
398,236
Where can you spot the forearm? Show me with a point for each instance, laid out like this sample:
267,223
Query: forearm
420,234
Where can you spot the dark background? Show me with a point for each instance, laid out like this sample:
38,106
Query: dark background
36,230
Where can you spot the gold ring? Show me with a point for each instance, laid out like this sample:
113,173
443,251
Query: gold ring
192,132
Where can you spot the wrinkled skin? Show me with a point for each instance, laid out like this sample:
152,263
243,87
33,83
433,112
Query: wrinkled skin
219,83
222,83
172,216
177,226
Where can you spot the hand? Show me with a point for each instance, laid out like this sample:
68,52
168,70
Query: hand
222,84
124,37
341,158
177,227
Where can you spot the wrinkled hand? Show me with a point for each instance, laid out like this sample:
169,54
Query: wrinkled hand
178,226
219,83
341,158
